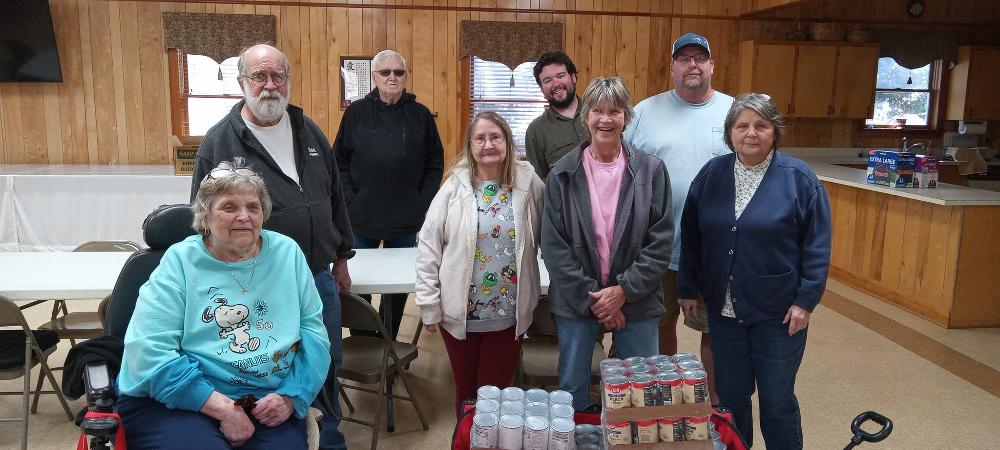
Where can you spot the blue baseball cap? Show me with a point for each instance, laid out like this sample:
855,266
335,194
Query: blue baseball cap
689,39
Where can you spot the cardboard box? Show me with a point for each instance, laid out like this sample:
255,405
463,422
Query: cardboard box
925,172
184,157
657,412
891,168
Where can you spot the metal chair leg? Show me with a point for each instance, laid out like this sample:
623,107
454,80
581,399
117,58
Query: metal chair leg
55,388
413,399
38,393
27,393
390,424
381,404
343,395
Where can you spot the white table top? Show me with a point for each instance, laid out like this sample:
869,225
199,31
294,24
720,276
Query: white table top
90,275
944,194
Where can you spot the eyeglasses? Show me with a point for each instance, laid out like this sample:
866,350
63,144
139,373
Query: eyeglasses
259,79
222,172
685,59
396,72
480,141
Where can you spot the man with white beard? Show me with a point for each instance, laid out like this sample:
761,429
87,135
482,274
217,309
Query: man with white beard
558,130
684,127
293,156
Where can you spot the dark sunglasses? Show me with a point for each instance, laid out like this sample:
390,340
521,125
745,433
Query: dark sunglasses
396,72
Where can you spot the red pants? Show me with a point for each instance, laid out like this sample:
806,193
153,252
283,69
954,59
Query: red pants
481,359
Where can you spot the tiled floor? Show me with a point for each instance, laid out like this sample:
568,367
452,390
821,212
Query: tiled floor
940,387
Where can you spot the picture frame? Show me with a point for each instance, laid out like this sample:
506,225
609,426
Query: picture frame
355,78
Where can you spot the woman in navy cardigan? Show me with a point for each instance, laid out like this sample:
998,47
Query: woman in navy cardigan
756,246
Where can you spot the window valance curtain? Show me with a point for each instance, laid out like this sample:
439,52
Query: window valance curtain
217,36
510,43
916,48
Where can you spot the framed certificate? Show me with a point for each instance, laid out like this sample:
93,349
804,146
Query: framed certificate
355,78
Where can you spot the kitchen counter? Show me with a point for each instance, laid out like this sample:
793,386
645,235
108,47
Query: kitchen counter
934,252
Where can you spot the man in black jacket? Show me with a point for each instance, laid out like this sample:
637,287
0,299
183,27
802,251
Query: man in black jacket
293,156
391,160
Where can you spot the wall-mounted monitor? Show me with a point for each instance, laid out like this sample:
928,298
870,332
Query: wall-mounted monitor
28,42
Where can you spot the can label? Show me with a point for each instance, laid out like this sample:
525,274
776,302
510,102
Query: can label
696,428
536,439
646,431
644,391
619,433
561,440
695,390
510,438
670,392
617,393
672,429
484,431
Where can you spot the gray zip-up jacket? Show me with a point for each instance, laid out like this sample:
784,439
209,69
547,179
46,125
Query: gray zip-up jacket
640,248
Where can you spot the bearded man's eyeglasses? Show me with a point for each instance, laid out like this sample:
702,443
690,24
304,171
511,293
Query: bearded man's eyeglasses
259,79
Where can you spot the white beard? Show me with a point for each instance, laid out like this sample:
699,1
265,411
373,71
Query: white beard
264,108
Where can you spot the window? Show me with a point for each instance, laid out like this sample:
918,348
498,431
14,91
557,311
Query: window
205,92
903,97
490,89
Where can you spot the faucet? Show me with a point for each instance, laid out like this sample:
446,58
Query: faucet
912,148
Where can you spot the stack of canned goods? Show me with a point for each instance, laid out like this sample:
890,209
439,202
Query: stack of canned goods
654,381
515,419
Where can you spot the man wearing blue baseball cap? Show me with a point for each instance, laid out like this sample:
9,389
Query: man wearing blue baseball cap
684,127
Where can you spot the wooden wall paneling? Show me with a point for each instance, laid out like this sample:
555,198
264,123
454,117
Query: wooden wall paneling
440,60
32,124
642,56
52,121
893,242
324,95
582,47
73,124
453,139
625,50
336,19
907,259
977,268
289,38
379,19
368,30
88,80
152,71
305,58
120,150
131,84
933,282
422,70
404,37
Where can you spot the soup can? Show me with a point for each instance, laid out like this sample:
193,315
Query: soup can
696,428
644,390
684,356
536,409
586,428
611,362
512,408
695,386
484,430
690,365
656,359
612,372
672,429
488,406
560,397
561,436
635,360
637,369
536,433
669,388
512,394
488,393
619,433
560,411
617,393
588,438
536,396
511,435
646,432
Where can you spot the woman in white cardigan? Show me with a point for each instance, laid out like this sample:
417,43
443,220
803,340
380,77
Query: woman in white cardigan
477,266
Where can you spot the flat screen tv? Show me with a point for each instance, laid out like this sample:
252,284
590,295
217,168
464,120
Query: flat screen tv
28,42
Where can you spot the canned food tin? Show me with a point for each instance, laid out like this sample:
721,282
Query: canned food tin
512,408
511,435
617,393
560,397
669,388
484,430
614,372
672,429
560,411
696,428
656,359
589,446
637,368
588,438
684,356
635,360
646,431
536,433
611,362
561,436
691,365
488,393
487,406
536,396
619,433
536,409
586,428
644,390
512,394
695,386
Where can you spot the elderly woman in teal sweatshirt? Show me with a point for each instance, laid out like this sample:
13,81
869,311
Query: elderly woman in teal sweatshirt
230,312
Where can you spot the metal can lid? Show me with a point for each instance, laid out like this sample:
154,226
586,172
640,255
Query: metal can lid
513,393
561,425
690,365
642,378
695,374
561,410
684,356
535,395
612,371
667,376
536,423
616,380
560,397
635,360
655,359
586,428
586,438
512,407
485,419
611,362
511,421
487,406
536,409
488,391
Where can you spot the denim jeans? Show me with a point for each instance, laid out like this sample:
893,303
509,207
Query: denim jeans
765,356
576,348
398,300
330,437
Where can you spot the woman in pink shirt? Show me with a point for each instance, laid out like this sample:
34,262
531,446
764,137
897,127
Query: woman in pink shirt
607,234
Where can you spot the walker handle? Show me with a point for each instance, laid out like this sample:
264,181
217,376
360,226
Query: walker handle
861,435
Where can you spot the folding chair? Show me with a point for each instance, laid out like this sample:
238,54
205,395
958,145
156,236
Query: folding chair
84,325
20,350
374,360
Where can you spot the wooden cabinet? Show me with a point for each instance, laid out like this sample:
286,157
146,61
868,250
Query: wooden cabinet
973,94
807,79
